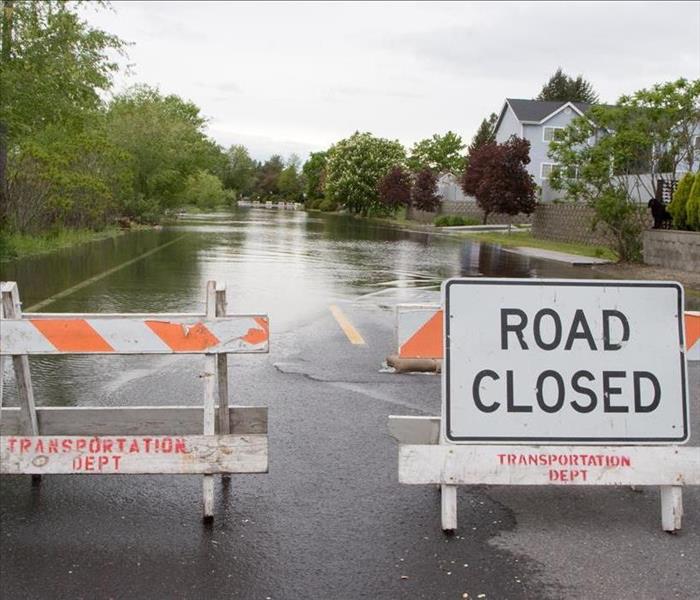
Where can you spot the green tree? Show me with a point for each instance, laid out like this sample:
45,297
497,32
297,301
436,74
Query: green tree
615,150
678,207
314,172
267,183
53,66
239,170
204,190
440,153
668,114
483,135
562,87
354,167
289,182
164,135
693,206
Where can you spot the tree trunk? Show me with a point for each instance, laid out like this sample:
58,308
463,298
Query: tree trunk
5,55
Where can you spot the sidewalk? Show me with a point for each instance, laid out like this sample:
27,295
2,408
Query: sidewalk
571,259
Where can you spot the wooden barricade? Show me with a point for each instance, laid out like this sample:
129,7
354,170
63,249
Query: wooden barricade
501,425
214,438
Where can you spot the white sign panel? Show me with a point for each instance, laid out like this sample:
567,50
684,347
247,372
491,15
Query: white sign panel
570,361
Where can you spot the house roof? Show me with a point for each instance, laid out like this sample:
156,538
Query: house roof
537,110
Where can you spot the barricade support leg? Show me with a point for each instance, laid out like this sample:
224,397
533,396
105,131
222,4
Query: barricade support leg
222,372
12,309
671,507
448,507
210,393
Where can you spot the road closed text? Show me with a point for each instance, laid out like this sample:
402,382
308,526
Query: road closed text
613,391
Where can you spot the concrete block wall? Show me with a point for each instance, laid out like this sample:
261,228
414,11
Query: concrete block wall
672,249
571,222
468,210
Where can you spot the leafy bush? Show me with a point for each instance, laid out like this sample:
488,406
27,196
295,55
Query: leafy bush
328,205
678,207
623,220
205,191
693,206
454,221
143,210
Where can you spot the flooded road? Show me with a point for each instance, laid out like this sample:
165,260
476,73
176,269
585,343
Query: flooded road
329,520
290,263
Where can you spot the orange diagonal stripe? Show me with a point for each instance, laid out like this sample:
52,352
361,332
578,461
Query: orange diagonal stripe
71,335
183,338
426,342
692,330
258,336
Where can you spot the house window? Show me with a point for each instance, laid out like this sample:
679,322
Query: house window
546,170
696,143
548,133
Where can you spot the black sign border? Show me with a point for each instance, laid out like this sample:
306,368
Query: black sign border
568,283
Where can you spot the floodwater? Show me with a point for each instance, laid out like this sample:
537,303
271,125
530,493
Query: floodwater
288,262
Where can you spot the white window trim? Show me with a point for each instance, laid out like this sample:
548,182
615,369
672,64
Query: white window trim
542,165
696,139
545,127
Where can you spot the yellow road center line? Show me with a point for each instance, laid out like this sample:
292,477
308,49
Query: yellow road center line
86,282
352,334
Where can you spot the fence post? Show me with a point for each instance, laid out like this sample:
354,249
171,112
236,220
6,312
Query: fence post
210,393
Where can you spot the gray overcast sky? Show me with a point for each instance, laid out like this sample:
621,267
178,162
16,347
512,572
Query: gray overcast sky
284,77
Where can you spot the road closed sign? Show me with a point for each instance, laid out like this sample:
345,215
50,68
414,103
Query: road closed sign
564,361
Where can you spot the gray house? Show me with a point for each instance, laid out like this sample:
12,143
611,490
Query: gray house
536,121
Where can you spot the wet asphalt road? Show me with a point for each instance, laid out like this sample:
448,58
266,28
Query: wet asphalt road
329,520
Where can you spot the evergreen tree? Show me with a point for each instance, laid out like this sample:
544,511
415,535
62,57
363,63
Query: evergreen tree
484,134
561,87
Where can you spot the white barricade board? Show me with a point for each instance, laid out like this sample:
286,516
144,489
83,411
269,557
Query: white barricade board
564,361
129,455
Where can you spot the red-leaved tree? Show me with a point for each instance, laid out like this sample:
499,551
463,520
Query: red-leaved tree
424,194
497,178
395,188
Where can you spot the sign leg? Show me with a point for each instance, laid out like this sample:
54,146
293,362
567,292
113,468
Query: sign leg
210,393
671,507
222,372
448,507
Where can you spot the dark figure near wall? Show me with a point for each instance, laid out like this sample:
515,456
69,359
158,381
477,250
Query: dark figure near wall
662,218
